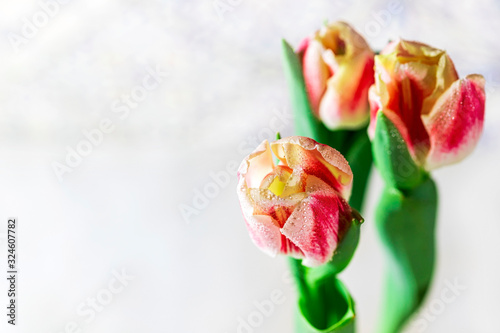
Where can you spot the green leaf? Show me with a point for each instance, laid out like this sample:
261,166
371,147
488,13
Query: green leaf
392,157
406,224
305,121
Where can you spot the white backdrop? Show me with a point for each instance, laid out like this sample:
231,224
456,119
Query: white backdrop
163,96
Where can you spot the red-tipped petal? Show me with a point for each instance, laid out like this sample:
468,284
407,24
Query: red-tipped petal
316,73
456,122
314,225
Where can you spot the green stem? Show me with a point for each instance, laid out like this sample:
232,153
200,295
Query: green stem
406,224
359,156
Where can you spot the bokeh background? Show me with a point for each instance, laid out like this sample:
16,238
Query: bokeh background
132,207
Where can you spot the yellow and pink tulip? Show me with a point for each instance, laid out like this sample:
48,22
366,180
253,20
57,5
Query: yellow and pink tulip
439,115
297,207
337,65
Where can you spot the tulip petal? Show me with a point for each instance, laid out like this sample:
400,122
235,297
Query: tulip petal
264,202
264,233
345,102
264,214
263,230
391,46
456,122
375,106
257,165
316,159
314,226
401,97
316,73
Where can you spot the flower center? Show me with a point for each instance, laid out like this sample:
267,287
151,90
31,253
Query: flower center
277,186
283,181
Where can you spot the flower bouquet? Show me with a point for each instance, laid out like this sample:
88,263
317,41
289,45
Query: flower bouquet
405,110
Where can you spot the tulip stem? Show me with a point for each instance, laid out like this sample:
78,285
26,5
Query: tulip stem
359,156
406,222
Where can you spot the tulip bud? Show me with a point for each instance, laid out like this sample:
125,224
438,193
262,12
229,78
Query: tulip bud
338,71
439,116
299,206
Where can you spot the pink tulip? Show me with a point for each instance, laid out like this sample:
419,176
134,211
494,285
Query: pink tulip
338,71
299,206
439,116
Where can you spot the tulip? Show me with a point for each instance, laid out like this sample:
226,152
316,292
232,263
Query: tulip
439,116
297,207
338,71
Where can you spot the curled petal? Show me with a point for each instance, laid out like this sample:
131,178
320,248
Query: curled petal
456,122
265,214
316,159
257,165
263,230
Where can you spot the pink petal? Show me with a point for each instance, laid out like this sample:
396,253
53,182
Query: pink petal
264,233
402,93
314,225
375,106
456,122
303,46
316,73
360,96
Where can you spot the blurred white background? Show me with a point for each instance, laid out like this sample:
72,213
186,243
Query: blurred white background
74,67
